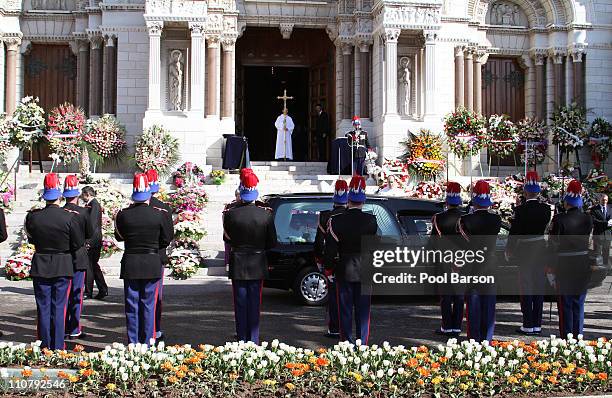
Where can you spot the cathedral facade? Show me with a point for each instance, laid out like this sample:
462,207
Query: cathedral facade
203,69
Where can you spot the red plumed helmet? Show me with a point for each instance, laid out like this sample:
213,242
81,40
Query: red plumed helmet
71,182
249,180
341,187
152,176
482,188
358,183
141,183
245,172
574,188
51,181
453,188
356,118
532,176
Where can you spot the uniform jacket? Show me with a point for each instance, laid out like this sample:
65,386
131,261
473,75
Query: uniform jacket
445,236
479,230
527,228
600,223
80,258
95,218
167,211
324,216
569,234
56,234
249,229
362,141
343,243
145,231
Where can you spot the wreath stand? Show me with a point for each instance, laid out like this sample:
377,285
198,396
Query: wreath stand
30,161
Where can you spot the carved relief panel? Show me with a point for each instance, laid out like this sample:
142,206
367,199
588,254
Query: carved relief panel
505,13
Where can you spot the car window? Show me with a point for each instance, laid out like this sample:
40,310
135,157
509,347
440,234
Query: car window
416,224
296,222
387,225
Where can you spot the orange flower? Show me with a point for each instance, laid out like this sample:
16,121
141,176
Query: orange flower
297,372
420,382
552,379
78,348
87,372
322,350
531,358
322,362
26,372
183,368
62,375
602,376
423,372
443,359
435,365
413,363
290,365
172,379
233,376
83,364
423,349
180,374
581,371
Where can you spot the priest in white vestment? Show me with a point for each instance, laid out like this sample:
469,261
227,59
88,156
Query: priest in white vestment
284,129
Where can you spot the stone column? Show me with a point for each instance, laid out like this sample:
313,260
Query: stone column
469,79
540,87
347,101
229,45
390,37
198,57
550,89
96,79
569,79
2,69
578,75
479,60
364,88
459,75
12,52
155,30
213,76
110,78
559,78
430,71
83,75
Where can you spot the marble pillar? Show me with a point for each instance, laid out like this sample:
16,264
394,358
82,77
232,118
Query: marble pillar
364,87
469,79
213,76
578,76
540,86
479,60
390,37
83,75
459,76
347,101
155,30
96,79
198,56
12,52
229,45
110,77
558,77
430,72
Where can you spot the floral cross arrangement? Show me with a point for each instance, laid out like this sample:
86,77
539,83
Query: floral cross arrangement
465,131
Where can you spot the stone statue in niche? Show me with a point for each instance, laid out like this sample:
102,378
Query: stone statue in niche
505,14
175,80
405,80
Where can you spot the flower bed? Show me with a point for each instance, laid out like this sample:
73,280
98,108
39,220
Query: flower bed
544,368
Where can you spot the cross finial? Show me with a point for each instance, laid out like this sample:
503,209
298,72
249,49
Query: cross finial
284,97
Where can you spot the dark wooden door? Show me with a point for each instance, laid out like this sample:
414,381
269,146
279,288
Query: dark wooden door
319,93
503,92
50,75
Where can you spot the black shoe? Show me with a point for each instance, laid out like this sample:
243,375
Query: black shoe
332,335
1,334
441,333
80,336
101,295
524,333
161,337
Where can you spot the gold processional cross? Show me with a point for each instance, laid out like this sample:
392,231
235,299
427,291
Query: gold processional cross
284,97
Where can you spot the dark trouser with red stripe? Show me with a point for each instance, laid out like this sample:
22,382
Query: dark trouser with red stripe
480,316
75,304
247,307
571,313
451,306
332,307
51,302
350,296
140,302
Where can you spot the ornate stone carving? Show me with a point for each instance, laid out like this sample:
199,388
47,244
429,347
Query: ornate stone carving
332,31
214,23
286,29
364,26
577,51
402,16
346,47
459,50
430,36
347,29
175,80
212,41
185,8
196,28
229,43
391,35
404,84
229,24
109,39
504,13
556,54
364,44
155,27
538,57
96,41
13,43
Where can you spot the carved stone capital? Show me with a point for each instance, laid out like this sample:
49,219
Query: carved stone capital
286,29
109,40
229,43
212,41
538,55
196,28
332,31
363,44
577,51
82,45
459,50
96,41
391,35
346,47
13,43
74,46
430,36
481,56
155,27
556,55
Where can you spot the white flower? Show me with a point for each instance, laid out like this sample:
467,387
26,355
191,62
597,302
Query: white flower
400,371
380,374
124,376
251,373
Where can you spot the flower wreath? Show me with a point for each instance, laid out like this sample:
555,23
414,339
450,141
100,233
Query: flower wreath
502,136
465,131
568,125
424,154
532,141
600,140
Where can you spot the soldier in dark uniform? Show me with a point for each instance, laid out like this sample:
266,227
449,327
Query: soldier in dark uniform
480,230
250,231
343,258
145,231
166,210
444,232
56,235
80,259
569,236
340,199
358,140
94,245
527,247
3,236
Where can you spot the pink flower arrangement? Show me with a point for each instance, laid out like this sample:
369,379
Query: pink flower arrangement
189,199
106,137
66,119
